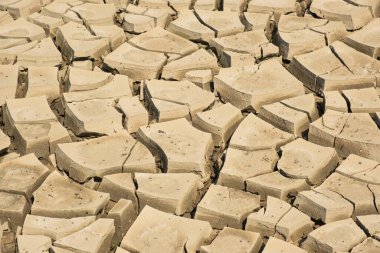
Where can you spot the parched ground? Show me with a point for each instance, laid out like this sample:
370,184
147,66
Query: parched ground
187,126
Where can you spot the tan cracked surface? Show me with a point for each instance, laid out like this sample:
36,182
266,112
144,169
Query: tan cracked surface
197,126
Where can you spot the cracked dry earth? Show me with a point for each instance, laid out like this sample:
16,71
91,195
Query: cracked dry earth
184,126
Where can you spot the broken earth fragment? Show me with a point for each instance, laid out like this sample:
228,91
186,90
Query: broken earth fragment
165,111
43,81
181,147
241,165
135,23
48,23
199,60
75,41
135,113
22,29
95,157
33,243
189,27
360,136
137,64
22,175
124,214
251,87
40,139
223,23
14,208
276,185
242,43
357,192
281,220
54,228
362,100
180,94
120,186
363,41
92,117
275,245
303,159
171,193
335,101
113,33
166,232
140,160
201,78
285,118
369,245
234,240
348,133
221,122
337,74
61,197
336,236
370,224
95,238
294,225
354,17
254,133
360,168
95,14
44,53
27,111
265,220
114,89
79,79
163,41
325,205
223,206
300,35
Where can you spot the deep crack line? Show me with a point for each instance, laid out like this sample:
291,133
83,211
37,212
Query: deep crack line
129,154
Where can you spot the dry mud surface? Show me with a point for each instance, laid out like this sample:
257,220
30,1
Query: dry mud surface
189,126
